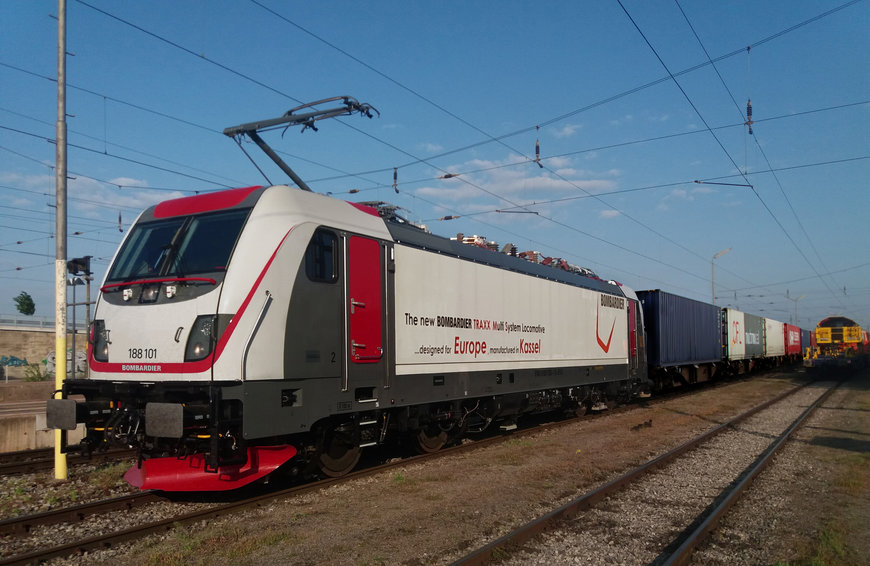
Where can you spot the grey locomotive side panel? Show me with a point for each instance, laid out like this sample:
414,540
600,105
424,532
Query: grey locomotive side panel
313,341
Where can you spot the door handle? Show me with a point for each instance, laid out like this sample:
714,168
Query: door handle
354,355
354,303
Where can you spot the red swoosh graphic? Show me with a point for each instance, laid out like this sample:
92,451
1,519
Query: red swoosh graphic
605,347
209,361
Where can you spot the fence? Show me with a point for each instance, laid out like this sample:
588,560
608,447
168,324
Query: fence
22,322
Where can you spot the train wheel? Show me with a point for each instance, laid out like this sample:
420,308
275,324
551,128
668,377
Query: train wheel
430,439
338,451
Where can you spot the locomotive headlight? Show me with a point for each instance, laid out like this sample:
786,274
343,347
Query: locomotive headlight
127,294
149,293
201,340
99,340
170,291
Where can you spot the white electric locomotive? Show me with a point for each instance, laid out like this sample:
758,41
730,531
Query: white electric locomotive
240,330
248,329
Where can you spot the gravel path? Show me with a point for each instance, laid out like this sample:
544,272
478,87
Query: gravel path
813,501
636,525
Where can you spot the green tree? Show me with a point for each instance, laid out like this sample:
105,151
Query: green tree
24,303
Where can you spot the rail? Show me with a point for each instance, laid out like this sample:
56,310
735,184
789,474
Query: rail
525,533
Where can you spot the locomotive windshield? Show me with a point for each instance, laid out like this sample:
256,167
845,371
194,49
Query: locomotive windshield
179,247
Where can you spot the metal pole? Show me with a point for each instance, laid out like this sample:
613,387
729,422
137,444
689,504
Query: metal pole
713,273
88,320
72,373
60,467
713,280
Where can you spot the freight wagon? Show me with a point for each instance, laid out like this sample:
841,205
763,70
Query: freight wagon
684,338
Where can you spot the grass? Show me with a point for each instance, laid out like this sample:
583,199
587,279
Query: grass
230,545
828,549
109,476
855,476
36,372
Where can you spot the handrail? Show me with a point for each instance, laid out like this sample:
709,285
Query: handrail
253,333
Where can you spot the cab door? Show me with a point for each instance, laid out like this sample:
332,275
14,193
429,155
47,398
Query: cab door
365,317
636,343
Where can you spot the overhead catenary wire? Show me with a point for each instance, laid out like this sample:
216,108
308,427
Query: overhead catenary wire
721,145
537,127
584,196
748,122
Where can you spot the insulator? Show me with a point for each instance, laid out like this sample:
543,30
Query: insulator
395,179
749,109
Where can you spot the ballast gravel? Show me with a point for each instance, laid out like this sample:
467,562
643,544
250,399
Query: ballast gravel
435,512
636,525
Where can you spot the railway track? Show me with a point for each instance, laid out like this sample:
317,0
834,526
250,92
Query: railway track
82,523
24,532
28,461
636,513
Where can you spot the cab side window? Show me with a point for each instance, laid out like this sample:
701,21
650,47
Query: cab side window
321,257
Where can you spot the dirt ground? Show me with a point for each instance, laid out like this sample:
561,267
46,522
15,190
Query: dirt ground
430,513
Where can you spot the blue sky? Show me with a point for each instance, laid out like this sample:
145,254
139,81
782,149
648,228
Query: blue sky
623,98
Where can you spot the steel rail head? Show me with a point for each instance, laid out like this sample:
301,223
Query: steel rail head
533,528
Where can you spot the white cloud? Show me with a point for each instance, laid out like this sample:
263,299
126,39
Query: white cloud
431,147
610,213
622,120
513,179
557,162
567,130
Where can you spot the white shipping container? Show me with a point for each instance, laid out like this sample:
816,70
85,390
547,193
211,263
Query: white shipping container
774,342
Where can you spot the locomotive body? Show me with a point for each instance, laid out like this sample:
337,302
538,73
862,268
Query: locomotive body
839,337
247,329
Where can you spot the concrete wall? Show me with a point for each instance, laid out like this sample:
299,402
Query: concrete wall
28,432
32,345
17,391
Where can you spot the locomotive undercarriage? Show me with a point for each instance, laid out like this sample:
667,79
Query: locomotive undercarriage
336,444
202,425
159,420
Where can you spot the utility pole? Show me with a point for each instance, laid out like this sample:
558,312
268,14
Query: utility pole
713,272
60,467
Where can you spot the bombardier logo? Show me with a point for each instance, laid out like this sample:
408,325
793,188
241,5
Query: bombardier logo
604,346
608,301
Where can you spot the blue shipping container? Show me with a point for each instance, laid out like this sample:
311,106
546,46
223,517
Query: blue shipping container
806,340
680,331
